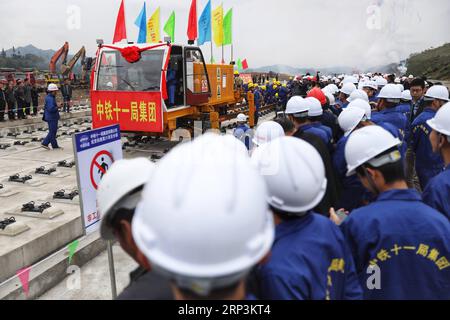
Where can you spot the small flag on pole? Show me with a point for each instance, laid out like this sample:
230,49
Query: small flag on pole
169,27
141,23
217,25
192,31
228,28
239,64
153,27
244,64
120,32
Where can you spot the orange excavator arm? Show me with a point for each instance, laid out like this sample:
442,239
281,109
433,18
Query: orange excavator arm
66,69
63,52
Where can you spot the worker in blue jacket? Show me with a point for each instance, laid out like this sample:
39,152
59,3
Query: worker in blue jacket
241,130
401,246
310,259
437,192
428,164
51,116
258,101
283,95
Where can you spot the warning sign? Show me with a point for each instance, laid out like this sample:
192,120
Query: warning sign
95,152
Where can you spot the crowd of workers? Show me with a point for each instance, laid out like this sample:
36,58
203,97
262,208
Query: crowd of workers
345,195
19,99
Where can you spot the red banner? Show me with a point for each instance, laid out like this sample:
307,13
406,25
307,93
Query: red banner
133,111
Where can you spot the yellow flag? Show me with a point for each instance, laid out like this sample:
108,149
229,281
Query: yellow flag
153,28
217,25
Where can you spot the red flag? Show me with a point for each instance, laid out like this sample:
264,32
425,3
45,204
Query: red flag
192,23
244,64
121,30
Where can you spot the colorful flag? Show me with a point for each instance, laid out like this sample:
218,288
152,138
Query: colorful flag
228,28
217,25
169,27
120,32
204,25
244,64
192,32
239,64
153,27
141,23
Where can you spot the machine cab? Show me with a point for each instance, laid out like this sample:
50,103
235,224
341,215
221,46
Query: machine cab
139,91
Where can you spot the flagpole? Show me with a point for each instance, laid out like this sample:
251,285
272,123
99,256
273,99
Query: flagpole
212,56
232,52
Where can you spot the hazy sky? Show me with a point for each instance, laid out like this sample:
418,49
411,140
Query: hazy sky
318,33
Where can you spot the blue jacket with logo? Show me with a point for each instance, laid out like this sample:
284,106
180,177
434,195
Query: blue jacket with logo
428,164
437,192
309,261
51,112
407,240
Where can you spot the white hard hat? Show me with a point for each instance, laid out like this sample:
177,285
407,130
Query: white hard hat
315,108
363,105
349,119
52,87
358,94
199,225
390,92
397,80
350,79
331,98
406,95
268,131
381,82
110,84
366,144
118,190
411,76
437,93
296,105
241,117
370,84
332,88
401,87
348,88
294,173
441,121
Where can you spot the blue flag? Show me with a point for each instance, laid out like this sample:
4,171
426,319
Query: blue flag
141,23
204,25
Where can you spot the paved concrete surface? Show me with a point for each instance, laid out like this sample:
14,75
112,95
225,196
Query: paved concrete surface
95,280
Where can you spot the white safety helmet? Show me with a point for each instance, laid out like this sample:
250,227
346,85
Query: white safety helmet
365,144
437,93
52,87
348,88
241,118
297,106
411,77
120,189
358,94
331,98
350,79
401,87
397,80
196,224
294,173
363,105
371,84
381,82
110,85
332,88
349,119
406,95
390,92
441,121
268,131
315,108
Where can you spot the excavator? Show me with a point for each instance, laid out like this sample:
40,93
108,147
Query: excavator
52,76
66,68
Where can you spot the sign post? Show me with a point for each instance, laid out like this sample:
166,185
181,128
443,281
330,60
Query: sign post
95,152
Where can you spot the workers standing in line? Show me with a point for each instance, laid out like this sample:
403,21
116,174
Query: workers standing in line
66,91
403,241
117,197
205,240
437,192
2,103
428,164
51,116
309,259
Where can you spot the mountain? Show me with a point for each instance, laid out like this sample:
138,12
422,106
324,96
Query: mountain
433,63
30,49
